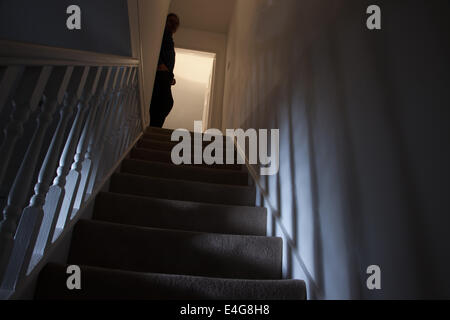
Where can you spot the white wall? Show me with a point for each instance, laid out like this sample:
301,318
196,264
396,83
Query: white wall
206,15
147,23
44,22
192,72
210,42
363,169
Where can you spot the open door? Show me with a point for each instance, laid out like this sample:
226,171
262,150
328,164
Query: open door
192,94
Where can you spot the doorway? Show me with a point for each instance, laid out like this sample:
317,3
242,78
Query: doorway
192,94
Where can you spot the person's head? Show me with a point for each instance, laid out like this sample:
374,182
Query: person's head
172,22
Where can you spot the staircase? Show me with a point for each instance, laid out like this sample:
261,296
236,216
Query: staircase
173,232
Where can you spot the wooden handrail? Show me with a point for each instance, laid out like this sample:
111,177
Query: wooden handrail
20,53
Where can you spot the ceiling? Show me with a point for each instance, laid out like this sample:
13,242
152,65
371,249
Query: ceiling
206,15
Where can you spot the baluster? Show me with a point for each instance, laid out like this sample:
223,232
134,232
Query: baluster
138,111
22,107
9,83
32,216
140,114
100,143
121,119
129,137
22,182
77,165
129,115
92,156
105,154
72,82
41,202
97,122
113,137
137,126
130,127
65,182
125,115
28,94
133,112
52,200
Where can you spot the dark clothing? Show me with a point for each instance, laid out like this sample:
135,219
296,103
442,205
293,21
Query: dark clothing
167,53
162,101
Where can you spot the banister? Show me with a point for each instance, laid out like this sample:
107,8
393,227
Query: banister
67,117
19,53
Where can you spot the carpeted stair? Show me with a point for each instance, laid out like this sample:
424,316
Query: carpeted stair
173,232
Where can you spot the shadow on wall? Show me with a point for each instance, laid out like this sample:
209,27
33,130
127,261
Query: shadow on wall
275,98
351,191
285,199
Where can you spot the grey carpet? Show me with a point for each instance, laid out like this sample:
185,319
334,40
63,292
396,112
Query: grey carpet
173,232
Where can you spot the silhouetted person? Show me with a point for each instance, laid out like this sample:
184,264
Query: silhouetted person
162,100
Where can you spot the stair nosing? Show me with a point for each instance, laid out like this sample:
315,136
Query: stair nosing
174,142
158,150
188,166
177,275
250,188
167,152
149,229
127,195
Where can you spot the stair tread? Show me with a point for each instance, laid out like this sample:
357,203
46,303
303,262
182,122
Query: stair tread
168,132
142,249
164,156
183,189
101,283
188,166
168,141
166,170
182,215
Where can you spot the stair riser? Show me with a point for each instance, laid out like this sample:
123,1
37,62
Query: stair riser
168,138
179,215
162,131
157,132
183,190
97,283
163,251
165,157
168,146
185,173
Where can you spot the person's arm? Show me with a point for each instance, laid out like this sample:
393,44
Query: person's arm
162,60
162,67
164,55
